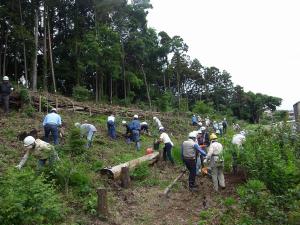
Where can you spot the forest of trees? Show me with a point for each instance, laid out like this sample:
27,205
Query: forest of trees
107,47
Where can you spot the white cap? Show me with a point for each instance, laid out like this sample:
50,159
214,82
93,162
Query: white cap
5,78
29,140
199,131
135,116
203,128
77,125
243,132
193,134
161,128
123,122
53,110
144,123
154,118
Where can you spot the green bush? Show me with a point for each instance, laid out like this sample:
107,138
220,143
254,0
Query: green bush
75,144
255,197
26,199
81,93
164,102
141,172
29,110
68,174
24,95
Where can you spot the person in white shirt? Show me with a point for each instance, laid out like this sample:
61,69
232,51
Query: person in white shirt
111,126
87,130
167,150
237,141
216,162
157,121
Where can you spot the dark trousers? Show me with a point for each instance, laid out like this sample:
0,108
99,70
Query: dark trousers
111,130
191,166
5,102
53,129
167,153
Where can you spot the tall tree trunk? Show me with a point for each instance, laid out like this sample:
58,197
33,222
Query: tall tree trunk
111,88
123,70
97,87
51,58
178,89
24,47
4,55
45,50
147,88
0,60
36,37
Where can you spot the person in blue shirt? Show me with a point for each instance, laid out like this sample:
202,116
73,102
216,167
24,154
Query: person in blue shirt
194,120
189,148
135,127
51,123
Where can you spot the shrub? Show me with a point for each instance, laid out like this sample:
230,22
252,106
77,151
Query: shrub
67,174
255,197
75,144
29,110
26,199
81,93
141,172
165,102
24,95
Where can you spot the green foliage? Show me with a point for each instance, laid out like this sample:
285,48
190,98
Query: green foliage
24,95
255,197
201,108
80,93
67,174
29,110
75,144
26,199
176,153
164,102
140,172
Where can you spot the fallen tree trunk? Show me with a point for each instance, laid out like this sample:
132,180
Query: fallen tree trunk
167,190
115,172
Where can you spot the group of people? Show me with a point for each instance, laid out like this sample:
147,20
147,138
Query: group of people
200,149
203,148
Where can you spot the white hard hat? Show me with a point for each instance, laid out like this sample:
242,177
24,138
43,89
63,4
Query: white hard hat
193,134
135,116
5,78
199,131
29,140
154,117
203,128
53,110
144,123
161,129
77,125
243,132
123,122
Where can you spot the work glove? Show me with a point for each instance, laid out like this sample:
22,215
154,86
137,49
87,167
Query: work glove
205,160
18,167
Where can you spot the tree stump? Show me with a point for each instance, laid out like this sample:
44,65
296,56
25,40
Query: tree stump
102,209
125,177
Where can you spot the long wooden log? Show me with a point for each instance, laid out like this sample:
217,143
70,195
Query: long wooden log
115,172
167,190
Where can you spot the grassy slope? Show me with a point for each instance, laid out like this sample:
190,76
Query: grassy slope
138,205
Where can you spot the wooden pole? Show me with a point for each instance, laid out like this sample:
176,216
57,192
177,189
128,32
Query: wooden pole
90,111
167,190
56,103
102,208
125,178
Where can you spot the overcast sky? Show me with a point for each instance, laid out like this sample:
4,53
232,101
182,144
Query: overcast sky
256,41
